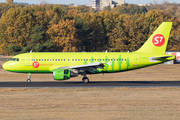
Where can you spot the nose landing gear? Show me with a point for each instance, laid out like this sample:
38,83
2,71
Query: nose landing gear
29,78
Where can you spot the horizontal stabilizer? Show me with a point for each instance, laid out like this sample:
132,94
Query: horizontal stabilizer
155,59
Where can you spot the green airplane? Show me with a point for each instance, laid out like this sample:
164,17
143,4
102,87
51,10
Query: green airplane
65,65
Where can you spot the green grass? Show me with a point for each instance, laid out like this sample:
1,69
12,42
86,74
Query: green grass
90,104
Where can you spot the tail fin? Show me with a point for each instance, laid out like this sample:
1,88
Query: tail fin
157,42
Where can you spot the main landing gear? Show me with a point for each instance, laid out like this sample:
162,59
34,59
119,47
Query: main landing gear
85,79
29,78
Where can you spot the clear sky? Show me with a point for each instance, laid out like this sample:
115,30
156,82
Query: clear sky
82,2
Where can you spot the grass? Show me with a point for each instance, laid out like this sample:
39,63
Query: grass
90,104
94,103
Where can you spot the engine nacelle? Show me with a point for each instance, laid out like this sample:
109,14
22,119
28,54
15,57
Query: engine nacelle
63,74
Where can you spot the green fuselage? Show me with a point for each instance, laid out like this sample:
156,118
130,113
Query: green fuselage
113,61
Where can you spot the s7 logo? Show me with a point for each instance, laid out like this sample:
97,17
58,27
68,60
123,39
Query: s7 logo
158,40
35,64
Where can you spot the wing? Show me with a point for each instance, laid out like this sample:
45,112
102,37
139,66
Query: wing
84,68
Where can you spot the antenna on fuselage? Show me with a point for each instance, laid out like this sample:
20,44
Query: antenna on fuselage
31,51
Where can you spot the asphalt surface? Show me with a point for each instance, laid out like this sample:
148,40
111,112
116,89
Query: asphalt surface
100,84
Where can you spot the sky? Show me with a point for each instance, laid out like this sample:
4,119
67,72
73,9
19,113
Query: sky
83,2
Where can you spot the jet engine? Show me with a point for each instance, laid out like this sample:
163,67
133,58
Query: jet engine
64,74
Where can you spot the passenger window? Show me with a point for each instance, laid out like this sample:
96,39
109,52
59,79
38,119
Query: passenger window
17,59
47,59
36,59
44,59
39,59
64,59
68,59
58,59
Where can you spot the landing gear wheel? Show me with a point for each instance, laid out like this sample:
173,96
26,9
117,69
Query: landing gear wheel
85,80
28,80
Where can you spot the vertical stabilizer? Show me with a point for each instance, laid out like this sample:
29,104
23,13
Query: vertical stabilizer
157,42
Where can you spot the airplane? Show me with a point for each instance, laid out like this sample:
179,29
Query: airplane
65,65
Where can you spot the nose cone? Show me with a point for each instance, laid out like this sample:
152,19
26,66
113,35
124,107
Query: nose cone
5,66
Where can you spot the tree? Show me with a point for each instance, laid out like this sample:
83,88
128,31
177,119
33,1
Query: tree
37,39
13,49
9,1
64,36
130,9
108,8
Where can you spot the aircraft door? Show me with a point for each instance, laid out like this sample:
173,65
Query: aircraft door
28,60
135,60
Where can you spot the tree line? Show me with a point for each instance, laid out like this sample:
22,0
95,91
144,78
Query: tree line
62,28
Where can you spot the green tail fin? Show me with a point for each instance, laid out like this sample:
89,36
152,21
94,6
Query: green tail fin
157,42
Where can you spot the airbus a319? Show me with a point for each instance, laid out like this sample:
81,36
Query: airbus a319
65,65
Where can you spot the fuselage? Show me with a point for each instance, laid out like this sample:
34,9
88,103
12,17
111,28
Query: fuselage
46,62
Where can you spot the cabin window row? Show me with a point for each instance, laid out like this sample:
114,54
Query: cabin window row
98,60
49,59
78,60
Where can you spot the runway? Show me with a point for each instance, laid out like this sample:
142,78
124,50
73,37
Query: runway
100,84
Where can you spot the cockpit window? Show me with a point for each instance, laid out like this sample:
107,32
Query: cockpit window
14,59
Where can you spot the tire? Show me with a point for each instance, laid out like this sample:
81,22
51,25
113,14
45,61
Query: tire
28,80
85,80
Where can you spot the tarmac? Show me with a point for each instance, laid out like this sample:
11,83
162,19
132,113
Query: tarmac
100,84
